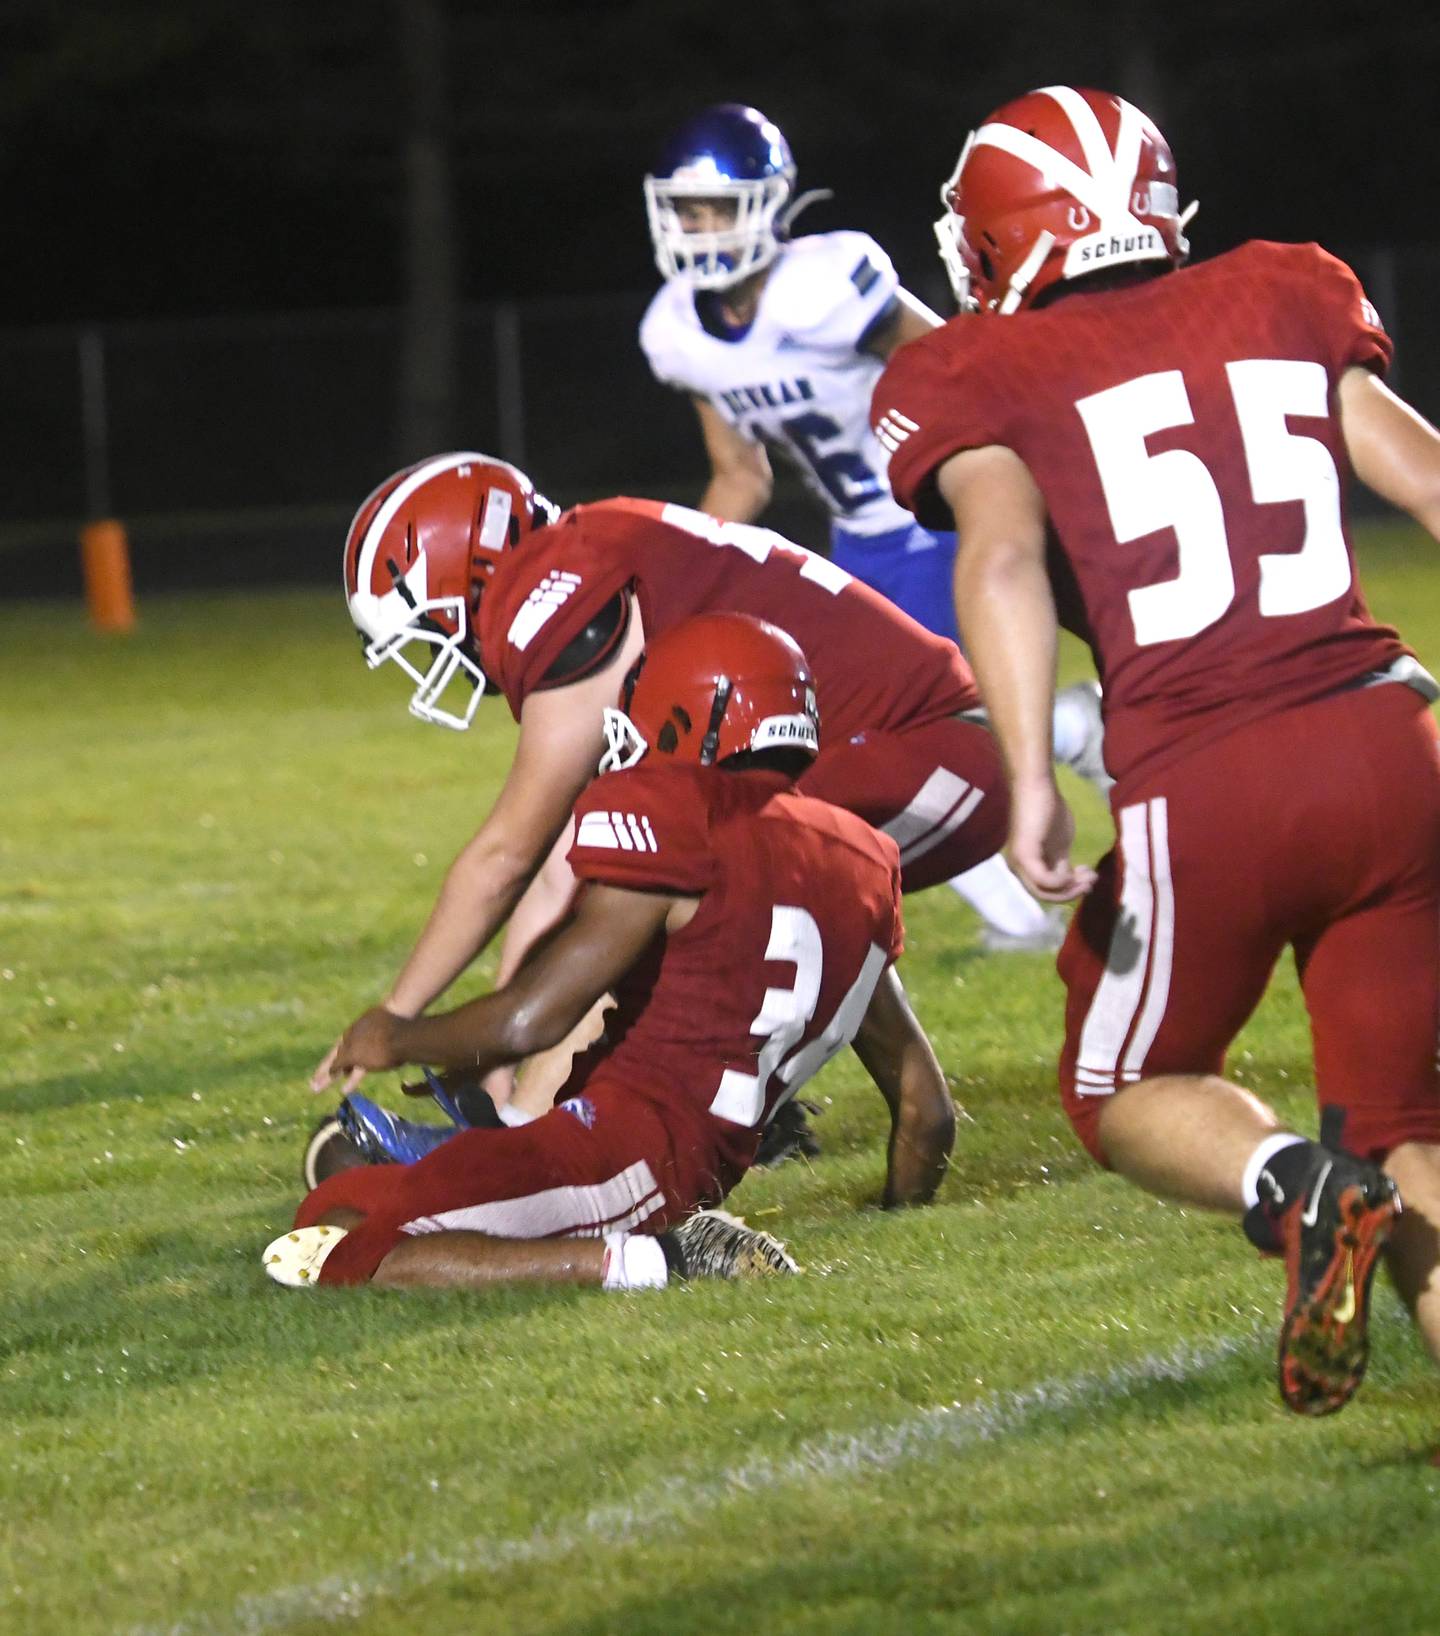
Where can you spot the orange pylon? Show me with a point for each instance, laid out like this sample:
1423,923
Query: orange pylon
105,558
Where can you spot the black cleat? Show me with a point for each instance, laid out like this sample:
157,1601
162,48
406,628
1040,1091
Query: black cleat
714,1244
1332,1235
461,1098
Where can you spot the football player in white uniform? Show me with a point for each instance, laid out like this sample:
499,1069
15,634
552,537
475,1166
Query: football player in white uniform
779,344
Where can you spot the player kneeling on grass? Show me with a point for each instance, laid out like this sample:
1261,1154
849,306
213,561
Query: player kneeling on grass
747,933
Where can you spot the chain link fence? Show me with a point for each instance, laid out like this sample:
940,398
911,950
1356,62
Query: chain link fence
236,449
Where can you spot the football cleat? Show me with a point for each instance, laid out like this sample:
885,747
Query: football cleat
788,1135
295,1258
461,1098
1045,939
1332,1235
327,1152
715,1244
1089,759
382,1137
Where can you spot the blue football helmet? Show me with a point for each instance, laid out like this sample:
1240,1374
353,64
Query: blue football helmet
726,153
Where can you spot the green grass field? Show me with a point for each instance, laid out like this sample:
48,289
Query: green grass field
1046,1404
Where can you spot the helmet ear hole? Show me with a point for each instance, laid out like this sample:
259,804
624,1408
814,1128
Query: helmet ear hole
627,687
986,265
717,685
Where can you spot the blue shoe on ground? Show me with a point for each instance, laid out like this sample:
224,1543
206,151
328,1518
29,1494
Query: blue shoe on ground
383,1137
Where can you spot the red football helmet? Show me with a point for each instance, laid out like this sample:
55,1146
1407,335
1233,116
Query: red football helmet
714,686
417,557
1055,185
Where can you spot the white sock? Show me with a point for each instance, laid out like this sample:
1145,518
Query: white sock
993,891
511,1115
634,1261
1250,1181
1068,728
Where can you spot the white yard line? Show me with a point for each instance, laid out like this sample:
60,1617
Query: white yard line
674,1505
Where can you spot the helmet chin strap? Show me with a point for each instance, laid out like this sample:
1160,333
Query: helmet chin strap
786,219
1025,272
407,596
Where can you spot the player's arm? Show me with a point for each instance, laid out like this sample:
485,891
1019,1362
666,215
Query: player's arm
555,757
542,905
1007,618
1394,450
741,482
610,929
907,318
899,1058
559,746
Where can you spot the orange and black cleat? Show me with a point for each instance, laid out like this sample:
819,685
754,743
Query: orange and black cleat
1332,1235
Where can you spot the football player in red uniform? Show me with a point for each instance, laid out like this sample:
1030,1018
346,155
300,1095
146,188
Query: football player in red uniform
747,932
1156,455
457,571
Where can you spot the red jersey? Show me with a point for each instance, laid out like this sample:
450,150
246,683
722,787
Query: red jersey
799,916
1184,436
874,667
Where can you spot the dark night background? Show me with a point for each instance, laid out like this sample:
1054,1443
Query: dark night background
226,158
221,156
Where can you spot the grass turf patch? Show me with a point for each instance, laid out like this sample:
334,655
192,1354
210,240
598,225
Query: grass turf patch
1044,1404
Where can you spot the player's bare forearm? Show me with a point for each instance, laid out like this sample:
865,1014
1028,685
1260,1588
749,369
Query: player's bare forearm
899,1058
1394,450
919,1154
560,741
542,907
741,481
550,994
735,498
1007,616
480,889
1003,599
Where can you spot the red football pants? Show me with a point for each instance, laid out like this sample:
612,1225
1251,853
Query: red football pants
1317,827
608,1161
939,791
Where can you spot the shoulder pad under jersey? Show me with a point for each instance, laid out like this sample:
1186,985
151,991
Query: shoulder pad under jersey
827,290
668,322
592,645
646,827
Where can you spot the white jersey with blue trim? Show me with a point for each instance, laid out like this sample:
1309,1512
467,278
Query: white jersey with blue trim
796,379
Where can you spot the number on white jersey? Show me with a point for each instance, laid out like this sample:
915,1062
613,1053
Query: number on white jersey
842,472
1174,489
785,1013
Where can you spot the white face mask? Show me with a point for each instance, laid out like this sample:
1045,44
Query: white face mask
623,743
715,261
439,664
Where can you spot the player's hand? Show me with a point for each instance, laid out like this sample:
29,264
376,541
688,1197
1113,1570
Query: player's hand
325,1072
1042,832
371,1042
